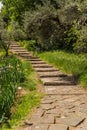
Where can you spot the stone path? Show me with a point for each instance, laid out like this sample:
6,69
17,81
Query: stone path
65,105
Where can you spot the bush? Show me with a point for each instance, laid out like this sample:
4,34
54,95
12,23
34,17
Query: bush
30,45
17,31
49,30
46,30
6,39
81,44
10,77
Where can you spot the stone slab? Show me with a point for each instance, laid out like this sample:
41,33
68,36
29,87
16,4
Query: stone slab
39,112
42,66
33,120
55,81
58,127
47,119
52,74
39,127
82,126
45,69
38,62
72,120
47,106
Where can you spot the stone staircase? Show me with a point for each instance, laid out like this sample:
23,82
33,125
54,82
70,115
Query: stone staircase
65,104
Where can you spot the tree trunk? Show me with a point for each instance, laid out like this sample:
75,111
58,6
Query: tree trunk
6,52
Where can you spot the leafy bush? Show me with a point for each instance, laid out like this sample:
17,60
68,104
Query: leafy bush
49,30
30,45
6,39
75,38
17,31
10,77
45,30
81,44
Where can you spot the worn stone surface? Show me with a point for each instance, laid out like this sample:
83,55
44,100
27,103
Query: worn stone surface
64,106
58,127
72,120
47,106
48,119
45,69
56,81
33,120
39,112
42,66
39,127
52,74
82,126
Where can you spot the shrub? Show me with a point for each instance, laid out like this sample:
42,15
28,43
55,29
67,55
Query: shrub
6,39
46,30
17,31
81,44
30,45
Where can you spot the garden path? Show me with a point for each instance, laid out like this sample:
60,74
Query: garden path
65,105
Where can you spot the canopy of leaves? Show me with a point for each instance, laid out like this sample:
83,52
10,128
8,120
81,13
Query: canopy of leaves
49,21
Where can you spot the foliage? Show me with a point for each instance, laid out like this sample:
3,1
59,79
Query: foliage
5,37
48,31
81,44
16,31
30,45
44,29
5,41
58,28
11,74
10,33
71,37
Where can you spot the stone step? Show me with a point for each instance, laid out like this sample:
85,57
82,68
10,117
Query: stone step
28,56
67,78
34,60
22,53
42,66
57,81
64,90
45,69
38,62
17,49
14,45
51,74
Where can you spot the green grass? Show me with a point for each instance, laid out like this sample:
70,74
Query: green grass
69,63
30,100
